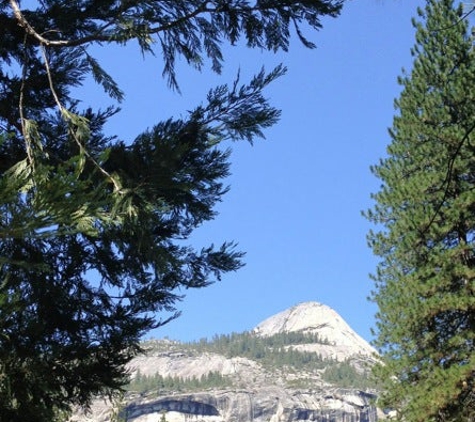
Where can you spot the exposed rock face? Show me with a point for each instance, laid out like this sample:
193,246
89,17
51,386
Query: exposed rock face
258,391
243,371
319,319
264,405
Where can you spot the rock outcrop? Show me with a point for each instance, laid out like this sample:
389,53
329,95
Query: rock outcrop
316,318
270,404
267,404
258,390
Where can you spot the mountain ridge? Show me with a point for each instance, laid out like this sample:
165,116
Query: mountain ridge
302,364
317,318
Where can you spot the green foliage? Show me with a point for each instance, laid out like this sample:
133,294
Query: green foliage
162,385
93,230
425,282
274,351
344,374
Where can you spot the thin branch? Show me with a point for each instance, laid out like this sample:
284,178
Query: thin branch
98,36
205,9
50,79
24,131
22,21
463,17
201,9
62,109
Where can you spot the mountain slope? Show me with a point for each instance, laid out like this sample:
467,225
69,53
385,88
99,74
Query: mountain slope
303,364
321,320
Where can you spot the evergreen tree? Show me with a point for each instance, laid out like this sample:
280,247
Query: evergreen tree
76,201
425,281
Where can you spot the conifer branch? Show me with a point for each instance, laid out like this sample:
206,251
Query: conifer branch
448,178
460,20
67,116
23,22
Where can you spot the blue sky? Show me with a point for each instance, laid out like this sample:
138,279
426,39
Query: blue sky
296,197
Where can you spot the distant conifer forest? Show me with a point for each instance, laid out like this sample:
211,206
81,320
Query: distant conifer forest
274,353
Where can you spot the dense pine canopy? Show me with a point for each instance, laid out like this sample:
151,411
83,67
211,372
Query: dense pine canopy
94,228
425,211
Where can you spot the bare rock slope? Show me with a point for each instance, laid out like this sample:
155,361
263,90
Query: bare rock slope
321,320
295,366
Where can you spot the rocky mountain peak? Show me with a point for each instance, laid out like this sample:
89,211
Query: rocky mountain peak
318,319
301,365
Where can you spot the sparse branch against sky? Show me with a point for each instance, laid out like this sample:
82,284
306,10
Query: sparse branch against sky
295,199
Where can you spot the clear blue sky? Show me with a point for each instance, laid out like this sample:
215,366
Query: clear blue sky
296,198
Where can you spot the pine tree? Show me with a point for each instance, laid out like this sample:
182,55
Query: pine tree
425,281
93,228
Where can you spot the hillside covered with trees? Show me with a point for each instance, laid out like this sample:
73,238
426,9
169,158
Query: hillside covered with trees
276,354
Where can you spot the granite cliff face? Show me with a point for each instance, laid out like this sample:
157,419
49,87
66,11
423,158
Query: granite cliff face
301,367
270,404
266,404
